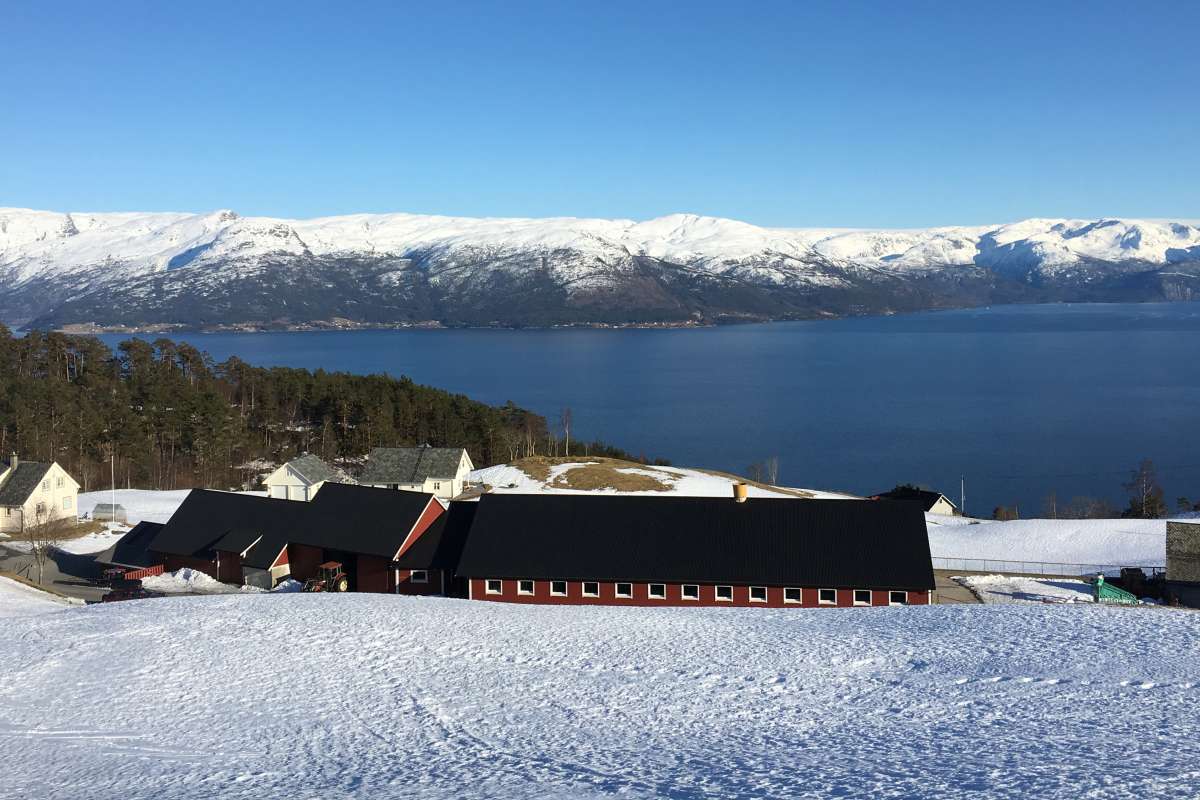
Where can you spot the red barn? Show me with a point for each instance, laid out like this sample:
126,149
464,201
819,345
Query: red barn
697,551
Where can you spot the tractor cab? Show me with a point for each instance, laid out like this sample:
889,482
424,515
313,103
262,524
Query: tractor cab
330,577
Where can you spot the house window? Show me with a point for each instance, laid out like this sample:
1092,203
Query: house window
827,597
758,594
58,482
691,591
67,503
419,576
494,586
725,593
524,587
793,596
40,509
558,588
7,511
591,589
45,485
624,590
437,486
897,598
862,597
657,591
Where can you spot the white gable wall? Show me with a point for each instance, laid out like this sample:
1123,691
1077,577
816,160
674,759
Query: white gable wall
54,498
287,484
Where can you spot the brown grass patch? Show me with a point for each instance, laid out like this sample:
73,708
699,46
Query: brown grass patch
593,477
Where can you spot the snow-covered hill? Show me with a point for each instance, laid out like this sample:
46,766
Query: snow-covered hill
221,268
389,697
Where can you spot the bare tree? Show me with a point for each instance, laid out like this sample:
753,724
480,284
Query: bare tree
1050,505
39,534
771,468
755,472
566,426
1145,495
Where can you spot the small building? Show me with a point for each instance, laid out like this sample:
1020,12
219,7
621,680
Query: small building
440,471
697,551
931,502
1183,564
132,552
301,478
35,493
110,512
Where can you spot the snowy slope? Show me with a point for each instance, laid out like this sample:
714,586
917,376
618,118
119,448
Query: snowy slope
1009,589
453,267
1121,542
19,600
202,698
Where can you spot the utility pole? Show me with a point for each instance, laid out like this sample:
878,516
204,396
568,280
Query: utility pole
112,467
962,495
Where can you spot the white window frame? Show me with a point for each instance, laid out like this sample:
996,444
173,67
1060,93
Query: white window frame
870,597
683,592
650,591
46,485
765,595
717,594
521,589
554,592
39,509
583,588
821,598
892,602
59,482
627,594
413,573
795,602
487,586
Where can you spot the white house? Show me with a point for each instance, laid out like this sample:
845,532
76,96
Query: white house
33,493
301,478
932,502
440,471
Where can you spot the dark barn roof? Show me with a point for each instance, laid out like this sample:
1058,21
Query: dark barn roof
363,519
132,549
357,519
441,546
927,498
21,482
823,543
411,464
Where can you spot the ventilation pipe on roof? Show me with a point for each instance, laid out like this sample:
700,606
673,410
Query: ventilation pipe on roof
740,491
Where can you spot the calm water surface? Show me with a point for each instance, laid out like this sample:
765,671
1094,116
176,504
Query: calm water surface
1021,400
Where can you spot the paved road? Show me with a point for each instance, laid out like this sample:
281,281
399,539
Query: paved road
950,592
65,573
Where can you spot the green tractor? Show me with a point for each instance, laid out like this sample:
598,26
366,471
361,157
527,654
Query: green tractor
330,577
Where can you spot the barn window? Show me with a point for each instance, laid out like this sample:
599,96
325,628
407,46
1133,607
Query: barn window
657,591
862,597
827,597
558,588
898,598
494,586
725,593
524,587
591,589
624,590
419,576
758,594
793,595
691,591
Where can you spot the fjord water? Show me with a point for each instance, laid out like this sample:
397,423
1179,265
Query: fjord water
1021,400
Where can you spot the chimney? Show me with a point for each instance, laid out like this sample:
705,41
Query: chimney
739,492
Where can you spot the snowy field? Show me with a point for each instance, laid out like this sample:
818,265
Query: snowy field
19,600
1010,589
383,696
1124,542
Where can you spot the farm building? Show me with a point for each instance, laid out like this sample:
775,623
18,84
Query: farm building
257,541
1183,563
702,551
440,471
301,478
35,493
931,502
132,552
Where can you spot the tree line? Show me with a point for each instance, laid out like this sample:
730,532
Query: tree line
1147,500
164,415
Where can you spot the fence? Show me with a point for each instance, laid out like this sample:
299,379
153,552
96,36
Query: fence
1036,567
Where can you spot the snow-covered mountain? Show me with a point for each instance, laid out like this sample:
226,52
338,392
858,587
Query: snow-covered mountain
204,270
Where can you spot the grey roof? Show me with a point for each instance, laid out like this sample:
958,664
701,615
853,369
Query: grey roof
411,464
314,470
21,483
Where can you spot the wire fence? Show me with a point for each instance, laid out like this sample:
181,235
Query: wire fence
1037,567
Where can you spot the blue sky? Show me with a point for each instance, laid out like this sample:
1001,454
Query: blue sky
791,114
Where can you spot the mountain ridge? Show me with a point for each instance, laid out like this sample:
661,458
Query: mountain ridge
219,269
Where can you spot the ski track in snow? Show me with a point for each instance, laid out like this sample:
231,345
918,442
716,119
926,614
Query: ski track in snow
381,696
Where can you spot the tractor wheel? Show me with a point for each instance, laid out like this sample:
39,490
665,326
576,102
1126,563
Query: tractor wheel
342,584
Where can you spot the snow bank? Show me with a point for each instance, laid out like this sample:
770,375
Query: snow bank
1120,542
190,581
19,600
1007,589
386,697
